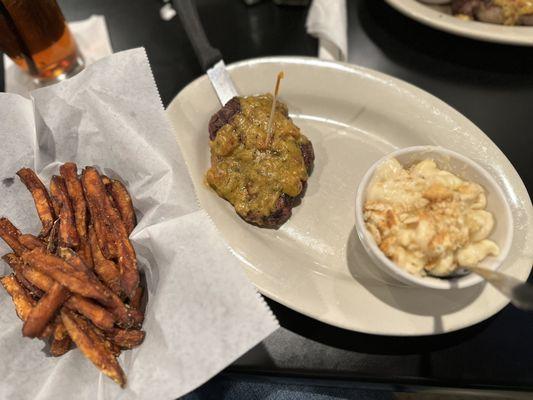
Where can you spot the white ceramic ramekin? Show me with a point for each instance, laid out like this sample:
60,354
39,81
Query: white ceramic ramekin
466,169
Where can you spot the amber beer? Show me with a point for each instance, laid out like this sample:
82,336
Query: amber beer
34,34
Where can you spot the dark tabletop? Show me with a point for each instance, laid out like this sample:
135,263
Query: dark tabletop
490,84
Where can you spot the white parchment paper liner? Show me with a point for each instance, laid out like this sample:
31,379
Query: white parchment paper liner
202,312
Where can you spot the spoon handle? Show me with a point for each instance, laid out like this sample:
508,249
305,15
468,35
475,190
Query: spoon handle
520,293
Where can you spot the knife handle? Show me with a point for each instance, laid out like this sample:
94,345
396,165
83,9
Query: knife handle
206,54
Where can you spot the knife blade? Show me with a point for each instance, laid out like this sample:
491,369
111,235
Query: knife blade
210,58
222,82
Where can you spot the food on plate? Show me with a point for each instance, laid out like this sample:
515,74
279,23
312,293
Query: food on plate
428,220
504,12
263,173
66,288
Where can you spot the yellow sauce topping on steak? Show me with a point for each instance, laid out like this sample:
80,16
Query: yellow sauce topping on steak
248,170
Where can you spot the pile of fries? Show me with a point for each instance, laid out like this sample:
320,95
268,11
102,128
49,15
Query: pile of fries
77,281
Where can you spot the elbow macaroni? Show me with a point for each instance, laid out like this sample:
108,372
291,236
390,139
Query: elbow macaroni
428,220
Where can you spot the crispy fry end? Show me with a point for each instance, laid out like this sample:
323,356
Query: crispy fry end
44,311
23,302
93,347
123,202
10,234
43,204
61,341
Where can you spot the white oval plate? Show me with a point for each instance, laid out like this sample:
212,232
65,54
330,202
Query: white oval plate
315,263
440,17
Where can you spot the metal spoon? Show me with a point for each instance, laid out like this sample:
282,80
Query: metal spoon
520,293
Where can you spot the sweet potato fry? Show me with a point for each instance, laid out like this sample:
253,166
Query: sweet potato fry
99,337
73,259
17,266
127,265
31,242
8,227
98,315
136,300
76,281
59,347
107,184
103,215
68,233
53,238
92,346
10,234
123,203
60,341
112,347
44,311
110,231
106,269
126,339
37,278
84,252
43,204
69,172
22,300
60,332
108,273
125,316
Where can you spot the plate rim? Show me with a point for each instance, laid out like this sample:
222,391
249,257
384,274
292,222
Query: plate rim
380,76
476,30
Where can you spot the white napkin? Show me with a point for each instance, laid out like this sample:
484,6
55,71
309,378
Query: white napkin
202,311
93,42
328,22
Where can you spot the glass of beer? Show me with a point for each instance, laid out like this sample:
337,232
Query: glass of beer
34,34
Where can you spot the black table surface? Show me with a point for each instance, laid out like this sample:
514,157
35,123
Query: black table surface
490,84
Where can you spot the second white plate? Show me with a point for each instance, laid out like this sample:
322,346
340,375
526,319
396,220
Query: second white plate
315,263
440,17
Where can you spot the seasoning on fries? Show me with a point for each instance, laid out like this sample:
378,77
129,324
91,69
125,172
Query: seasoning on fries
77,282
